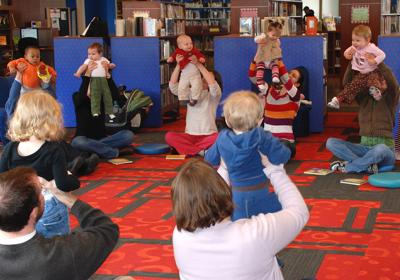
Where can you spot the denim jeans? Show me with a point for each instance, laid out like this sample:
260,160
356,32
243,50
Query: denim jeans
14,94
360,157
107,147
55,219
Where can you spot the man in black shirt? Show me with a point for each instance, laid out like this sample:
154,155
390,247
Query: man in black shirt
27,255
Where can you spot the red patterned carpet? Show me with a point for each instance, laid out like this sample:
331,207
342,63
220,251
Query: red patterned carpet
353,232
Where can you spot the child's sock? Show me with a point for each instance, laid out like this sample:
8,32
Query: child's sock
375,93
95,115
334,103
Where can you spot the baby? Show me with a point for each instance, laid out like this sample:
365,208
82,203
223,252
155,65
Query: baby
190,84
365,58
35,74
98,89
268,53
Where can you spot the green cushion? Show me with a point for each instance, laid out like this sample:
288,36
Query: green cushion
385,180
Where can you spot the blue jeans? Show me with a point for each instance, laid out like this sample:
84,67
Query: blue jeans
107,147
250,203
360,157
14,94
55,219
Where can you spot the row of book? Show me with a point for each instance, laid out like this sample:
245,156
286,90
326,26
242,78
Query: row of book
141,26
285,9
208,4
5,2
166,49
172,11
390,24
390,6
167,98
174,27
165,73
212,14
207,44
208,24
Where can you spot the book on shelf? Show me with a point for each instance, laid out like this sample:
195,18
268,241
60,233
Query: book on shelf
318,171
353,181
3,40
246,26
149,27
175,157
390,6
165,49
286,9
390,24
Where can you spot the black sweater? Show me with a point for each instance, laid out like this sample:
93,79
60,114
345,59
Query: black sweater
72,257
49,162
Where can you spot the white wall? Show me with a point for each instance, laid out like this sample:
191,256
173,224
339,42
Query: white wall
330,8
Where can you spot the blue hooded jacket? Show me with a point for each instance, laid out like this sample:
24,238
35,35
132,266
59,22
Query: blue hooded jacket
241,154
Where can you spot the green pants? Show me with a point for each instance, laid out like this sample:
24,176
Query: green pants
99,90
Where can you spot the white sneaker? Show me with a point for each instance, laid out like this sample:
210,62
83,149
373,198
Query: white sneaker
334,103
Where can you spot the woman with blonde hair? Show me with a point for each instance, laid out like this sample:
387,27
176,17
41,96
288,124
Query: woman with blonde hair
35,131
209,245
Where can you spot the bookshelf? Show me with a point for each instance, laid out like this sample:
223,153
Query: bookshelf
171,15
390,17
334,53
293,10
141,63
6,39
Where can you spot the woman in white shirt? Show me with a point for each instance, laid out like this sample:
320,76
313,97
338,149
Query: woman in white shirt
208,245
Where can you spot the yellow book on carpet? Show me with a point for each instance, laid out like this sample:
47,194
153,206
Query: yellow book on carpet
353,181
175,157
318,171
118,161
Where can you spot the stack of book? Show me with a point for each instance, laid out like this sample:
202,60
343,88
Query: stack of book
141,26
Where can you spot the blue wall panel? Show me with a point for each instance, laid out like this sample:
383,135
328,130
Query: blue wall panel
391,46
69,54
138,66
232,57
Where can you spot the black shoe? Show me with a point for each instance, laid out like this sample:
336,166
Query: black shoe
90,164
126,151
75,165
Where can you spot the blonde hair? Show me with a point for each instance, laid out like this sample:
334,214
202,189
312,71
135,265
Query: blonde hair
243,110
37,114
200,197
362,31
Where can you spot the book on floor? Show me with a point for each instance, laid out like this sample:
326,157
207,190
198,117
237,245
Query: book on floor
118,161
318,171
175,157
353,181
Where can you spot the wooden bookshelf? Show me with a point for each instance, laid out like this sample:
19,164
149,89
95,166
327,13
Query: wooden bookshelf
6,37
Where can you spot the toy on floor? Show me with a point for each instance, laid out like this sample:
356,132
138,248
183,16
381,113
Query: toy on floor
385,180
153,149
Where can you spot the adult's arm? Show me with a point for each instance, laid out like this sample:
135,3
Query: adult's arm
280,228
64,181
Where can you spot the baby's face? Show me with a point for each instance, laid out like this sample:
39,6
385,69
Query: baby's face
32,56
359,42
275,33
185,44
93,54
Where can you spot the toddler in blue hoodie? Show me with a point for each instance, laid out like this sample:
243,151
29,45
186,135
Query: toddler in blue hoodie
240,151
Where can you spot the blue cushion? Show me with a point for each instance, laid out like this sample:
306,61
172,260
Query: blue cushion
153,149
386,168
385,180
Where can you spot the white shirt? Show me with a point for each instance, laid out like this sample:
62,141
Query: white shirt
99,71
244,249
200,118
17,240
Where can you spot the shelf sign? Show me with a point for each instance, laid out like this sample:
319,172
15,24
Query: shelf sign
359,14
249,12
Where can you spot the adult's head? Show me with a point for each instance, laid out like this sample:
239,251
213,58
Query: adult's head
20,199
37,114
243,110
200,197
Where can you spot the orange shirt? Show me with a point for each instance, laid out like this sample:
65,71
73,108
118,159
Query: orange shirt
30,77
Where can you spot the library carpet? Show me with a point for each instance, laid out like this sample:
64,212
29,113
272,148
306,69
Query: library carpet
353,231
